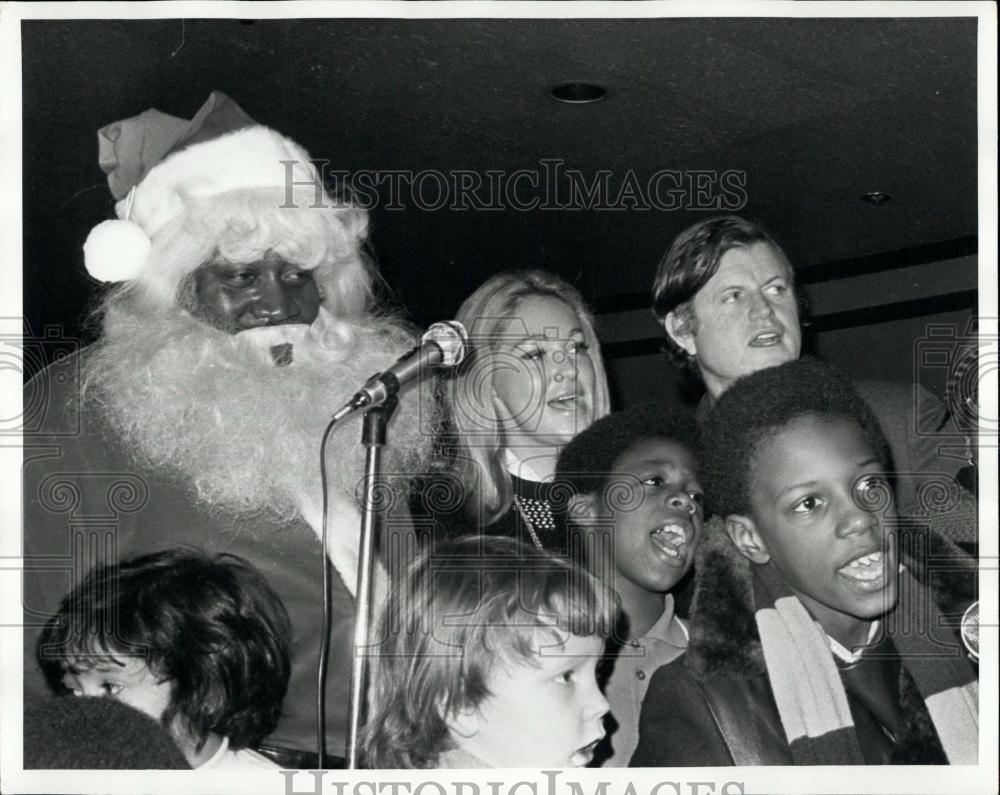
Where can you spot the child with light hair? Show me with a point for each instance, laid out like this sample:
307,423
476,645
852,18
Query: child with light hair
486,657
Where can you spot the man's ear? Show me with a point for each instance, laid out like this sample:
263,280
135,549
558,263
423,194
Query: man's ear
746,538
583,510
678,328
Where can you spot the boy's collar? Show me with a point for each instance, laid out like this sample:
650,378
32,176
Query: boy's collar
845,655
216,758
668,628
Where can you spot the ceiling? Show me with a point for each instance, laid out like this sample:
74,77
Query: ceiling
812,113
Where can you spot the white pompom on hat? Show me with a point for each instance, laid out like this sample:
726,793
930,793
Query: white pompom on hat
155,161
116,251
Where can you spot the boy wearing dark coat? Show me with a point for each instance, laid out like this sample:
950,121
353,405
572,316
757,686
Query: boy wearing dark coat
822,626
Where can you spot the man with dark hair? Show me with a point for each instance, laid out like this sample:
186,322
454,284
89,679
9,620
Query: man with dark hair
725,295
692,264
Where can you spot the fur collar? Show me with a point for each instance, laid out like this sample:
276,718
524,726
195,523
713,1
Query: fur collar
724,638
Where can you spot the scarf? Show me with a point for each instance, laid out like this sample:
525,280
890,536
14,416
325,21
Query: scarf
935,680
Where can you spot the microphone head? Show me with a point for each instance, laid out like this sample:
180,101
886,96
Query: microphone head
450,336
969,630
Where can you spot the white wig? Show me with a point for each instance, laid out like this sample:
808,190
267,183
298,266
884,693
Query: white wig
242,226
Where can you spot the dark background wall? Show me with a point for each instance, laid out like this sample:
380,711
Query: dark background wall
814,113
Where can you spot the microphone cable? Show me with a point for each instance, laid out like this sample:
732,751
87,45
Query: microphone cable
451,339
324,644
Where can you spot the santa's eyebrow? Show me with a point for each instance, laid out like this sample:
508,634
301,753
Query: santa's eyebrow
226,265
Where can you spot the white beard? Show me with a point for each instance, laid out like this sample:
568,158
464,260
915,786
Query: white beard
215,410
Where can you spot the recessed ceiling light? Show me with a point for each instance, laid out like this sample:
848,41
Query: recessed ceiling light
579,93
876,197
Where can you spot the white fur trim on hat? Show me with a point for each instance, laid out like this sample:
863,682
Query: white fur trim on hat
116,251
254,157
249,158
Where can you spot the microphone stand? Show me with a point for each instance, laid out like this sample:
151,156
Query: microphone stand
373,437
450,340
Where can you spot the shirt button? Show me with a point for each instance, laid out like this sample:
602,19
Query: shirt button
640,675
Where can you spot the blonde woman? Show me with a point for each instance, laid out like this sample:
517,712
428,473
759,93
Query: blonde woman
534,379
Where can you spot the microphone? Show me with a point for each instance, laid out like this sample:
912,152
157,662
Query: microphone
442,345
969,630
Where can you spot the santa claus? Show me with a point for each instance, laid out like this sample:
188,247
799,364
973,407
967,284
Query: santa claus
240,318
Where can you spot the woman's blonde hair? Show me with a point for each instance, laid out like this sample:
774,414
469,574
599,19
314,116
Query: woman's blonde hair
478,436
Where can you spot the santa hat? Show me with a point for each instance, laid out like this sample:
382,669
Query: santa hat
157,164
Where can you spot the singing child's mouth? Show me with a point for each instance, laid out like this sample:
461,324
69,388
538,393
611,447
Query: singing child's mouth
583,756
866,572
672,540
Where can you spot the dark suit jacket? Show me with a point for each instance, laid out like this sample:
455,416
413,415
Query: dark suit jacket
925,447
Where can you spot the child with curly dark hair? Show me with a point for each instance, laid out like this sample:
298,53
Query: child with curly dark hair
198,642
636,509
821,630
